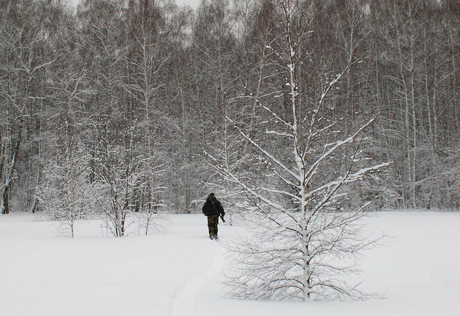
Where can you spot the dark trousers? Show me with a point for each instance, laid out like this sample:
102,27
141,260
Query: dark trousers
212,226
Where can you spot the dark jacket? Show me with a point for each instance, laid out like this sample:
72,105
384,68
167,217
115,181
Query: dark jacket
213,207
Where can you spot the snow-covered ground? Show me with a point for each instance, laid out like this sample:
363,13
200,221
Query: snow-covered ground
179,272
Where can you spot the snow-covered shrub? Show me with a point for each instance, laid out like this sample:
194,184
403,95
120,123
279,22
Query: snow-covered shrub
66,194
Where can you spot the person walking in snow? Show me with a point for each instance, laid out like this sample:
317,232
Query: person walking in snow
213,209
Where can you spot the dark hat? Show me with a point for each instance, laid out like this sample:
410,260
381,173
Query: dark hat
210,197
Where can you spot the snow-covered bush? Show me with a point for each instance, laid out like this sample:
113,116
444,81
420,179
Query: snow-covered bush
125,182
66,194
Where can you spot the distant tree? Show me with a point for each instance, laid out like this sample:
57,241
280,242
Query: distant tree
414,70
217,52
27,54
149,54
450,174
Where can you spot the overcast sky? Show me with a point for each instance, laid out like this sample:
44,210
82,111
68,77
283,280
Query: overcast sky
192,3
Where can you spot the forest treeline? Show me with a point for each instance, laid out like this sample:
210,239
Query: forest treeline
138,100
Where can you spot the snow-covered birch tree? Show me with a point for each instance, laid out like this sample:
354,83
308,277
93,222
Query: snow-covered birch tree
305,161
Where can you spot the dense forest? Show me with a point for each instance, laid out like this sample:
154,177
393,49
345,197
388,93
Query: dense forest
136,105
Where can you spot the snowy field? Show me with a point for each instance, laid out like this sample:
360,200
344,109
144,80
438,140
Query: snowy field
179,272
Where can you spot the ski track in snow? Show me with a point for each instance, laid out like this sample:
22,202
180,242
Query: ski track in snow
184,300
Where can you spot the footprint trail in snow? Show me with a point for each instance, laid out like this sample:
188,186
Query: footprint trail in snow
184,300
